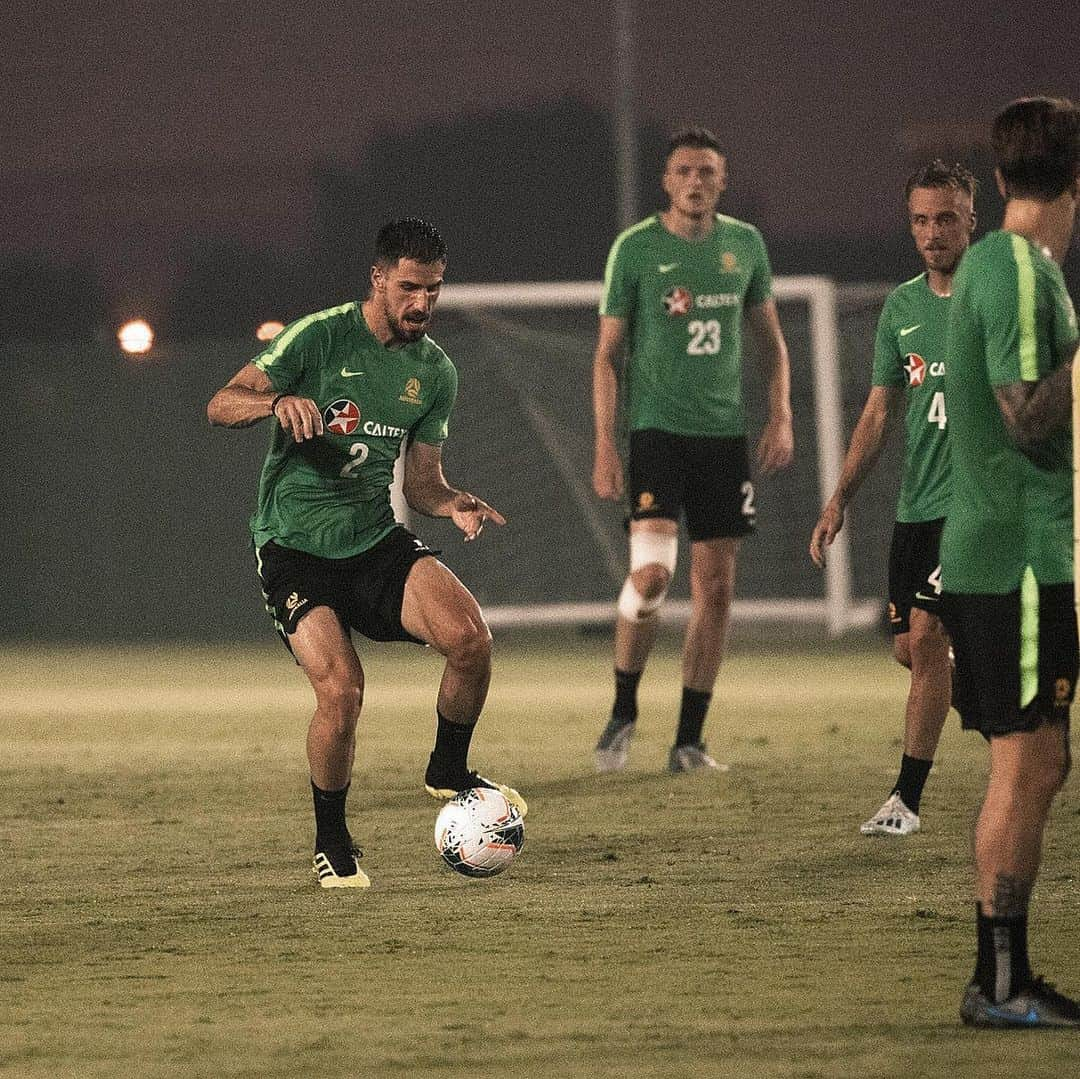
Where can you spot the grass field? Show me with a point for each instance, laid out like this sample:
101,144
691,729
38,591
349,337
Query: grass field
159,918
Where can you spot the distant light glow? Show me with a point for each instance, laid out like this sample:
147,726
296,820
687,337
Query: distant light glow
136,336
269,330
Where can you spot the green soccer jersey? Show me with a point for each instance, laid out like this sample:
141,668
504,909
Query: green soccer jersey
330,495
683,301
909,351
1011,321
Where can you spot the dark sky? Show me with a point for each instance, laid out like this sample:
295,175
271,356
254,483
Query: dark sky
814,100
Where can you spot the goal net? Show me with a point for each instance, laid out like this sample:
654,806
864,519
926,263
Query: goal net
521,437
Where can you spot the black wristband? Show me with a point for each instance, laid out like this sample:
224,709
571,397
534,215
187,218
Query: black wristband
273,404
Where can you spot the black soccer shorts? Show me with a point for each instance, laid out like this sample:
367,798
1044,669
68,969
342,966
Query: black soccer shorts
914,571
707,479
364,590
1016,668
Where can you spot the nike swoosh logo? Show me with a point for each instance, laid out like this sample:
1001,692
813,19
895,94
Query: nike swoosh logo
909,329
927,599
1012,1017
667,267
346,373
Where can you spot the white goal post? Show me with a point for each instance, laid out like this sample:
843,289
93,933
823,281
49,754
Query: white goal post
836,610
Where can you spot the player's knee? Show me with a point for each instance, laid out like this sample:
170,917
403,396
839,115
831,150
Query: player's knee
714,590
653,558
651,581
340,694
928,645
635,605
469,645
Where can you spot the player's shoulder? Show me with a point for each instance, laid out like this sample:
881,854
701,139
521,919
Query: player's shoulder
321,327
431,352
906,292
736,226
638,236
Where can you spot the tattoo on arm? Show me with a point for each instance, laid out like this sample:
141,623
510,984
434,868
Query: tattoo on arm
1011,896
1034,411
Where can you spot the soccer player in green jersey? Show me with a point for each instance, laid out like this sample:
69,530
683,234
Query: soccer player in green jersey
1006,550
676,288
349,387
909,378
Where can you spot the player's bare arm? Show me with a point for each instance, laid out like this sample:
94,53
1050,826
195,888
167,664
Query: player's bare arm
1034,411
607,467
249,397
883,405
426,491
776,447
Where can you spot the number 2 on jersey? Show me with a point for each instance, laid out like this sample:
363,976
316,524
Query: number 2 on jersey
358,451
704,337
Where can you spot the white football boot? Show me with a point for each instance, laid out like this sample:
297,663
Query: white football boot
893,818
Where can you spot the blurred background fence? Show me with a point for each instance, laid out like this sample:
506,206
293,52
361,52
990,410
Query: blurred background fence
127,514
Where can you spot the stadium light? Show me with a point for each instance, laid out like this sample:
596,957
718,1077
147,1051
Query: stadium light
136,337
269,330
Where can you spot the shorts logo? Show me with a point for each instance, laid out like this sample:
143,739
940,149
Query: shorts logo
646,501
678,300
916,369
728,262
411,396
342,417
295,602
1062,691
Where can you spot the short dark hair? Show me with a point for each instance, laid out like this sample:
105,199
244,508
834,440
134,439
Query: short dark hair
409,238
938,174
1037,147
694,136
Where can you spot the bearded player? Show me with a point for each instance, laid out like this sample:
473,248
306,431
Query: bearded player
347,388
910,360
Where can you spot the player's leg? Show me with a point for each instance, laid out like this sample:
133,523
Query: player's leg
1022,706
656,476
300,591
921,644
712,588
438,609
322,647
719,504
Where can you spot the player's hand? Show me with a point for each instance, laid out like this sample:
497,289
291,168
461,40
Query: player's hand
299,417
607,474
829,524
470,514
776,447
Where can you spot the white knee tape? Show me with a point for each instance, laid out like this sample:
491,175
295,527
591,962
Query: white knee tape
633,606
654,548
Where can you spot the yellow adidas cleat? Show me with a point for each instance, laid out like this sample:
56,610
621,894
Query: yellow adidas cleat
329,877
437,787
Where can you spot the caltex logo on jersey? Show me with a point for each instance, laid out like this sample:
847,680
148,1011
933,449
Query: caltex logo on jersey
678,300
342,417
916,369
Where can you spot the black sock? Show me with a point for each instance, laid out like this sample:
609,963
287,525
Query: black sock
912,779
330,827
1002,967
625,707
695,703
451,752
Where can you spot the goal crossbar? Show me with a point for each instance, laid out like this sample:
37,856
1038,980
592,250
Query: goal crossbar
836,610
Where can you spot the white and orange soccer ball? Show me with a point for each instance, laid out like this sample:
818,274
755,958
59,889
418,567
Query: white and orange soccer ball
478,832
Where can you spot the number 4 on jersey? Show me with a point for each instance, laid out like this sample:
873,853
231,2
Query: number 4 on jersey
937,410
